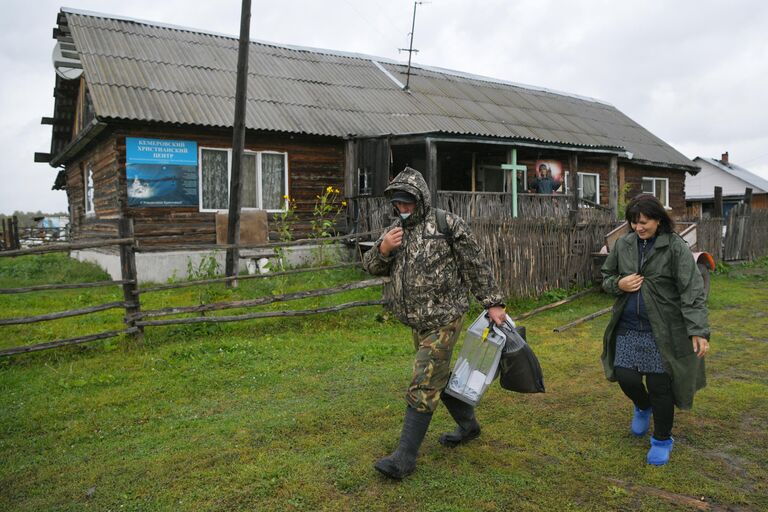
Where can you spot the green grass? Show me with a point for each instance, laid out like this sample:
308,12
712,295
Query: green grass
290,414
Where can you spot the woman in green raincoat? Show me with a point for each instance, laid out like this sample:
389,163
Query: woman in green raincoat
659,329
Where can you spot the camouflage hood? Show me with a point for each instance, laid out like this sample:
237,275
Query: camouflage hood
432,270
410,180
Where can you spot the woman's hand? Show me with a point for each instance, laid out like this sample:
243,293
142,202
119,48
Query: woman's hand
630,283
700,346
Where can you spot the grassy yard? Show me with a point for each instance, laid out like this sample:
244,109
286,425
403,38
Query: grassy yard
290,414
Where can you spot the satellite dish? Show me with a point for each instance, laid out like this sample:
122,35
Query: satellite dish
66,67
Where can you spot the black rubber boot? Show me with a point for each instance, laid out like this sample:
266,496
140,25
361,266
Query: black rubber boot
463,414
403,461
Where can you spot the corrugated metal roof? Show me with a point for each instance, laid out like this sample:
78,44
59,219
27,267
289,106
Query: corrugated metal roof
150,72
759,184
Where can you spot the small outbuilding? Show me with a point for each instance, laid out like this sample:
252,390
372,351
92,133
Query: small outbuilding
733,179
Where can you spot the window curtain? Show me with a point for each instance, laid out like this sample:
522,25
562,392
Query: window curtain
215,179
272,180
661,191
250,196
589,188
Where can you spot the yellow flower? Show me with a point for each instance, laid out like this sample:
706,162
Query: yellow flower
329,189
337,191
343,203
285,197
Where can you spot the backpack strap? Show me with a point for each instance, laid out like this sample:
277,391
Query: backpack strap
442,224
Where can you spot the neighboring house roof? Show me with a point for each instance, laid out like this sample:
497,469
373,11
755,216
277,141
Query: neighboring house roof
715,173
145,71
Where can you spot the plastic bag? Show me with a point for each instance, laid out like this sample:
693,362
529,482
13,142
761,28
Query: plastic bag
519,368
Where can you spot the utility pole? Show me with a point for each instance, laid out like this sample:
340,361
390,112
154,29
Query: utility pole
238,146
410,49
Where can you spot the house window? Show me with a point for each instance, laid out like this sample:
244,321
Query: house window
214,179
273,180
90,209
658,187
589,187
264,175
364,181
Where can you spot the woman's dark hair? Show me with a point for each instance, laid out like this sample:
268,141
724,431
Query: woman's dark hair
648,205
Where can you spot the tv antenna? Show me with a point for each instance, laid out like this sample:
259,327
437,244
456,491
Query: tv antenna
410,49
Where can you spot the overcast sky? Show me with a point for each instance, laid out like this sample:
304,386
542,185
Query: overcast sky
693,72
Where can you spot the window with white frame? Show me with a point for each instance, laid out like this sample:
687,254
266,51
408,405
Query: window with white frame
658,187
214,179
589,187
90,209
264,175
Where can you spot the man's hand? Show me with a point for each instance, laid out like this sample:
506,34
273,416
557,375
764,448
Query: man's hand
391,241
630,283
497,314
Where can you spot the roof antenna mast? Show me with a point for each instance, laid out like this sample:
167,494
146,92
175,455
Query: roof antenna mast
410,50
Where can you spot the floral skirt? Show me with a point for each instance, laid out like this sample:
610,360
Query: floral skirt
637,350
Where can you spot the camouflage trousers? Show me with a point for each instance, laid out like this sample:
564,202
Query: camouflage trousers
432,366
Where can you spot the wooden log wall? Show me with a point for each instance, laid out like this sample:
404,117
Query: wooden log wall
634,174
760,202
314,163
102,160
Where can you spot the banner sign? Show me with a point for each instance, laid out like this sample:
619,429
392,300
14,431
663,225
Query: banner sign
161,172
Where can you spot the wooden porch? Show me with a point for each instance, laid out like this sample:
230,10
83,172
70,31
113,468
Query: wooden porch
371,213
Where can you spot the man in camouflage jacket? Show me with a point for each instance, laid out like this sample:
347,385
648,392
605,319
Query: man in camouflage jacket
431,270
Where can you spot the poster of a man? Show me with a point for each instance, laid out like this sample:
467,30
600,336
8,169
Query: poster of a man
549,177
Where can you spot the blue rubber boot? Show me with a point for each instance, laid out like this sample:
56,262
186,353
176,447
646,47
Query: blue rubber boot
641,421
658,455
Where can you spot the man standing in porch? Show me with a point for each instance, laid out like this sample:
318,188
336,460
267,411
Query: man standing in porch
432,259
544,184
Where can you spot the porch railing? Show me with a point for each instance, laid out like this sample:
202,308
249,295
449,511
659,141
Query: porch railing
371,213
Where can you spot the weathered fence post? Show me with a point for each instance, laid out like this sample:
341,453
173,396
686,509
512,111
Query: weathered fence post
129,275
13,225
573,180
718,208
613,187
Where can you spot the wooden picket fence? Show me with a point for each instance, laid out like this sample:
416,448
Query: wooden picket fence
371,213
531,256
746,233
